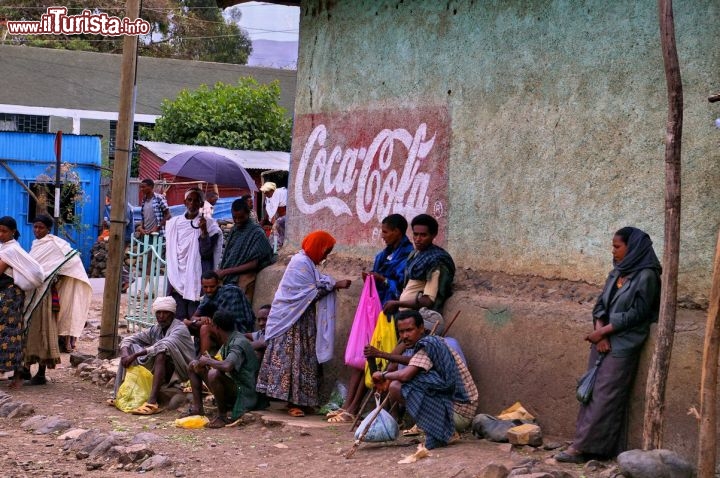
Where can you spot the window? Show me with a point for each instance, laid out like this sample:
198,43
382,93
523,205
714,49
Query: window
24,123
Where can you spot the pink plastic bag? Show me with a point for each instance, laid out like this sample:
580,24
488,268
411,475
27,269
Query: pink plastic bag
363,325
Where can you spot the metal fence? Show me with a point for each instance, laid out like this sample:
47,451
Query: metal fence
147,279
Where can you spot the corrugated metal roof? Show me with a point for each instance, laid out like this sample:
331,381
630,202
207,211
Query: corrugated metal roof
247,159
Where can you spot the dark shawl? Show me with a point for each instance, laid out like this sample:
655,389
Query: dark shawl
246,243
640,254
421,264
430,395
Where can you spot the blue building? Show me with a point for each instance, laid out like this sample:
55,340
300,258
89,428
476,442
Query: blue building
29,158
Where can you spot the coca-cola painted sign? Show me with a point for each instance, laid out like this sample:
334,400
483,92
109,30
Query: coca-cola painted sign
350,171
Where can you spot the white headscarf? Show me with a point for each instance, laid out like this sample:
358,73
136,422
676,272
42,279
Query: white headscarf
164,303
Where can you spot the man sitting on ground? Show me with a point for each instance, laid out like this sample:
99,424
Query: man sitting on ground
231,379
227,297
165,349
436,386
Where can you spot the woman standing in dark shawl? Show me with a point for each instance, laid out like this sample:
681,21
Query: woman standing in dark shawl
627,306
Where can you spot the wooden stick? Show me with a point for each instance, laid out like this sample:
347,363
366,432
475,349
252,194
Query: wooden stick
450,324
707,451
362,408
652,437
714,98
355,446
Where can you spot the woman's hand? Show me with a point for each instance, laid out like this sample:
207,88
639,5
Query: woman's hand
603,346
595,336
343,284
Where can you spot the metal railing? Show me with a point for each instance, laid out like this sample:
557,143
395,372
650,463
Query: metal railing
147,279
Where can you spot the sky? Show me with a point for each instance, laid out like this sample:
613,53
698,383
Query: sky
264,21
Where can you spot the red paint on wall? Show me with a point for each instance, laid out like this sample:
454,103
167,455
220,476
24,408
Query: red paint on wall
351,170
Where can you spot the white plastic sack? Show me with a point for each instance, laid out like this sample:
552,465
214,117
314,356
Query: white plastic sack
383,428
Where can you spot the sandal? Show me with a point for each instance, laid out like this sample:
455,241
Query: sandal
295,412
411,432
344,417
217,422
237,422
147,409
334,413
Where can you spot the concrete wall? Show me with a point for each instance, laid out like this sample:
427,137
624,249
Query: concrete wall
547,120
532,351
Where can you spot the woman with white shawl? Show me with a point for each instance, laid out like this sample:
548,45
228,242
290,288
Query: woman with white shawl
194,245
61,305
19,274
300,327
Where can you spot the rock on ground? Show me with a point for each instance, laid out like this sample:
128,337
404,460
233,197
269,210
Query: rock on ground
654,464
493,470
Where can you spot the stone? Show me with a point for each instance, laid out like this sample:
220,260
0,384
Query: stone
155,462
85,442
654,464
131,453
8,407
551,445
72,434
493,470
525,434
24,410
520,471
101,448
593,466
146,437
612,472
76,358
52,425
561,474
93,465
506,448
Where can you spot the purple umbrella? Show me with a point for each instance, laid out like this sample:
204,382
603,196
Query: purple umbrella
210,167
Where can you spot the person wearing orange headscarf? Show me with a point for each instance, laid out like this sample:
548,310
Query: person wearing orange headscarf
299,327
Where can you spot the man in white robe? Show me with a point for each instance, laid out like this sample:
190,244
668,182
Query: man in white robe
194,245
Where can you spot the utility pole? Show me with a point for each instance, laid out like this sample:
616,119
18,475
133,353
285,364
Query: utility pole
657,376
107,347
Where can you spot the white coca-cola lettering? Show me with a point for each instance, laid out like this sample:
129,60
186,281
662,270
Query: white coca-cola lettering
379,188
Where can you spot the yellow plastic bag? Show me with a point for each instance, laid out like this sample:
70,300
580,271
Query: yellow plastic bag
135,389
385,339
193,421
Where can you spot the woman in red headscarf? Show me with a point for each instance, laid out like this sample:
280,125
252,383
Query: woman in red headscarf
302,308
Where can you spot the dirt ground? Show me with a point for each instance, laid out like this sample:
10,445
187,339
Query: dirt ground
272,445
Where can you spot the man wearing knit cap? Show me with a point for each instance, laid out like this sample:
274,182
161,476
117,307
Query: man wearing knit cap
165,349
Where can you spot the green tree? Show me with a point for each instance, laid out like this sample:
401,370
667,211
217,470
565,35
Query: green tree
242,116
182,29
